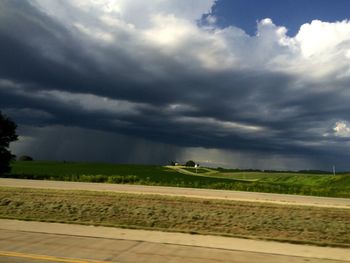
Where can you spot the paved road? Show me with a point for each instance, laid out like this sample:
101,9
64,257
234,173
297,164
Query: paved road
188,192
28,242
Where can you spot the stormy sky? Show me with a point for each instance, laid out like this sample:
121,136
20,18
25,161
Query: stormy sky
133,82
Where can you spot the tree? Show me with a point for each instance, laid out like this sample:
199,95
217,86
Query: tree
25,158
7,135
190,163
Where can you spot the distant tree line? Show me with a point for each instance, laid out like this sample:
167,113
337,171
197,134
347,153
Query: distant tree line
25,158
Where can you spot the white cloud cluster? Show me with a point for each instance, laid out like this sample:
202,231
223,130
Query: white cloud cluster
320,38
341,129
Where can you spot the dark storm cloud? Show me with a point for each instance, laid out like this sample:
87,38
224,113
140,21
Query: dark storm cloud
79,144
52,75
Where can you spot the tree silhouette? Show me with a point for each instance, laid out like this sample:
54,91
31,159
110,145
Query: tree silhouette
190,163
7,135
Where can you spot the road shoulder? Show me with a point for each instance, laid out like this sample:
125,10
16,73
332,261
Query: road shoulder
206,241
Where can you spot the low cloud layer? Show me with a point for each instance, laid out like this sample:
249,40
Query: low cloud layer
165,75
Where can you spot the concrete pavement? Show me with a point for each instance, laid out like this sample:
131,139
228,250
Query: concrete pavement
38,247
22,241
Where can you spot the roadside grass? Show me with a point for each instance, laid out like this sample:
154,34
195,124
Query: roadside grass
270,182
295,224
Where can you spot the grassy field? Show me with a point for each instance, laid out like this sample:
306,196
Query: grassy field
322,226
272,182
196,170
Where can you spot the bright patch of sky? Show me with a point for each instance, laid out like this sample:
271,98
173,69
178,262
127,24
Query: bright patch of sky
289,13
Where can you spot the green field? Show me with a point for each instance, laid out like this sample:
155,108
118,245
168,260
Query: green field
273,182
297,224
196,170
109,173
